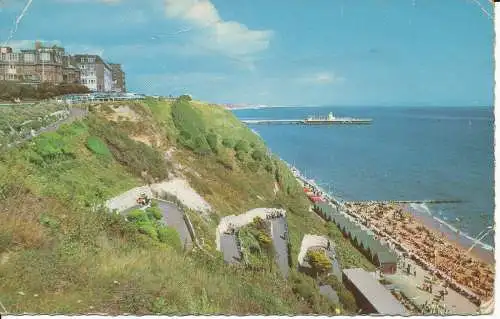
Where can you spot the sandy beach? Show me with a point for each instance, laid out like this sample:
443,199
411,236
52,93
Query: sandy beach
448,257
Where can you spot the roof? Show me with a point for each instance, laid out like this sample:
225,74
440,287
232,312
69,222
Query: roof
376,294
385,257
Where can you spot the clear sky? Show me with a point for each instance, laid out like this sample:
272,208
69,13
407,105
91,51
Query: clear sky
279,52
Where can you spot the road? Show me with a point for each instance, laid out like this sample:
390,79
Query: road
278,230
229,247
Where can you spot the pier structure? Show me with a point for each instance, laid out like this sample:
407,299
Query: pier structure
427,201
308,122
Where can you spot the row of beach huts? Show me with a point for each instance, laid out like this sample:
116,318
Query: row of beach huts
380,255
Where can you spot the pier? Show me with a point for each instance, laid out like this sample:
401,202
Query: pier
308,122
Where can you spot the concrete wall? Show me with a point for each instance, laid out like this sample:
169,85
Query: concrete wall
308,242
128,199
242,220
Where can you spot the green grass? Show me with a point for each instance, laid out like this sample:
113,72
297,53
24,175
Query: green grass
75,257
98,147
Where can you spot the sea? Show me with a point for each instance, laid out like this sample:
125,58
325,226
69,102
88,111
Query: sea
407,153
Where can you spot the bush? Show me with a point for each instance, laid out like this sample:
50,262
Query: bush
201,146
185,97
253,167
227,142
241,156
137,215
264,239
51,147
148,228
304,286
11,91
169,236
97,146
189,122
258,155
346,297
241,146
154,213
213,142
319,261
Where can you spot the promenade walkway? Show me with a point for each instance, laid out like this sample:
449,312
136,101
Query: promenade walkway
279,234
230,250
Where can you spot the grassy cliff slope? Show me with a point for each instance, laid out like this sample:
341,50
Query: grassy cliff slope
60,253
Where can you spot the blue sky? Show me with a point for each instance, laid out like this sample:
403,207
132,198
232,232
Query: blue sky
279,52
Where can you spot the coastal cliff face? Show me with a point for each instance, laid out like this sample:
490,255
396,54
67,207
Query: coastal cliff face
60,252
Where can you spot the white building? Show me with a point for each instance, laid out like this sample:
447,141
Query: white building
94,73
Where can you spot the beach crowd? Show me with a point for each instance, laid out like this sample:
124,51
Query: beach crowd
431,249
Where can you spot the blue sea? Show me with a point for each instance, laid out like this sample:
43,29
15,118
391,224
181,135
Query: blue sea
407,153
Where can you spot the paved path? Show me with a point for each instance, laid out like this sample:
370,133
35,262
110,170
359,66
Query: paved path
278,229
455,302
229,247
173,217
74,115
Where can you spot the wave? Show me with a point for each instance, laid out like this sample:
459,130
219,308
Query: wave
464,235
255,132
423,208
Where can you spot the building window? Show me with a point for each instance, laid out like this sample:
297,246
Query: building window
29,57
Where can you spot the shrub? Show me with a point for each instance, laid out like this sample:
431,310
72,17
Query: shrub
304,286
264,239
227,142
51,147
241,156
6,240
319,261
188,121
154,213
185,97
241,146
97,146
201,146
213,142
346,297
169,236
137,215
258,155
49,221
253,167
148,228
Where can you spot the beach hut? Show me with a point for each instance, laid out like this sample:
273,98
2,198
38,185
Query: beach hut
386,261
375,248
322,209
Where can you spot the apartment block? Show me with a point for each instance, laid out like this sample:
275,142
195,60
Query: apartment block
52,65
118,75
95,73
